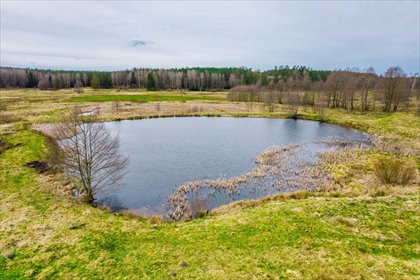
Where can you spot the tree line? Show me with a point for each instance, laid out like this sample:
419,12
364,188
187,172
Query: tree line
346,89
194,79
298,85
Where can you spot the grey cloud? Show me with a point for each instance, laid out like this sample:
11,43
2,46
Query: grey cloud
137,43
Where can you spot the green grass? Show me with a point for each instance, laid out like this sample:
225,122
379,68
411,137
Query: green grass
146,98
47,236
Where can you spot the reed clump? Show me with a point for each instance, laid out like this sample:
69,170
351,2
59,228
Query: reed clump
395,171
277,168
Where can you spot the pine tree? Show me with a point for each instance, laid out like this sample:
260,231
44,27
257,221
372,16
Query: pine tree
264,80
31,80
96,82
150,82
56,83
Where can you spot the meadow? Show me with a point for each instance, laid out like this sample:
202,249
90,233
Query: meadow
146,97
365,229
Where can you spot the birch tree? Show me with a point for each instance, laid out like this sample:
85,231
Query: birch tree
91,154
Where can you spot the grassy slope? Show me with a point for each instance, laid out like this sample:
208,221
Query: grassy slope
43,235
325,237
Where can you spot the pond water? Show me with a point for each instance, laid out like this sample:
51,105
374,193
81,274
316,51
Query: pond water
167,152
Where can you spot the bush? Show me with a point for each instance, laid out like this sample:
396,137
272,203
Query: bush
390,170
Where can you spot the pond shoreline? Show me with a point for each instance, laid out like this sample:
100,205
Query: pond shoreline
305,117
46,127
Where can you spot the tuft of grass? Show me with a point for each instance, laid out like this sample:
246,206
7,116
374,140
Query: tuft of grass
394,171
350,222
155,219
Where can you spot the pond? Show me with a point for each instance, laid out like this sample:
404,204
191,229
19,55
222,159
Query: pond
165,153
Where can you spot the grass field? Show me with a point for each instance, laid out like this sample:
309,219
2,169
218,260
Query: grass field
340,235
145,98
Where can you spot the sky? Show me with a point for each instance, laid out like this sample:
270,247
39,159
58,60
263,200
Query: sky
118,35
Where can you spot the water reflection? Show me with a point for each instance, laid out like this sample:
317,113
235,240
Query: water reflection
169,152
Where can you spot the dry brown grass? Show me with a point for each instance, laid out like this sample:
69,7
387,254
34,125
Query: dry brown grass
395,171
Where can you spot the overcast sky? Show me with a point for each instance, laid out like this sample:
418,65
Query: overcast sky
120,35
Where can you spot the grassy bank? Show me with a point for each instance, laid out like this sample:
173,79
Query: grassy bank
44,235
343,235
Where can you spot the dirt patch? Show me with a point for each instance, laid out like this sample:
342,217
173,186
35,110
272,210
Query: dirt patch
39,166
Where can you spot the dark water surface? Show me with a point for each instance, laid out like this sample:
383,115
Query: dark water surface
167,152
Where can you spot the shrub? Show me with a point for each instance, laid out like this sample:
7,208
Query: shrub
394,171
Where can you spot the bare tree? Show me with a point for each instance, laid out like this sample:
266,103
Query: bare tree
415,92
91,154
295,95
78,86
269,97
351,82
44,84
294,100
320,99
335,85
367,83
317,87
394,88
305,85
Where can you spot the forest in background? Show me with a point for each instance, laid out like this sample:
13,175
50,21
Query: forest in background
296,86
193,79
